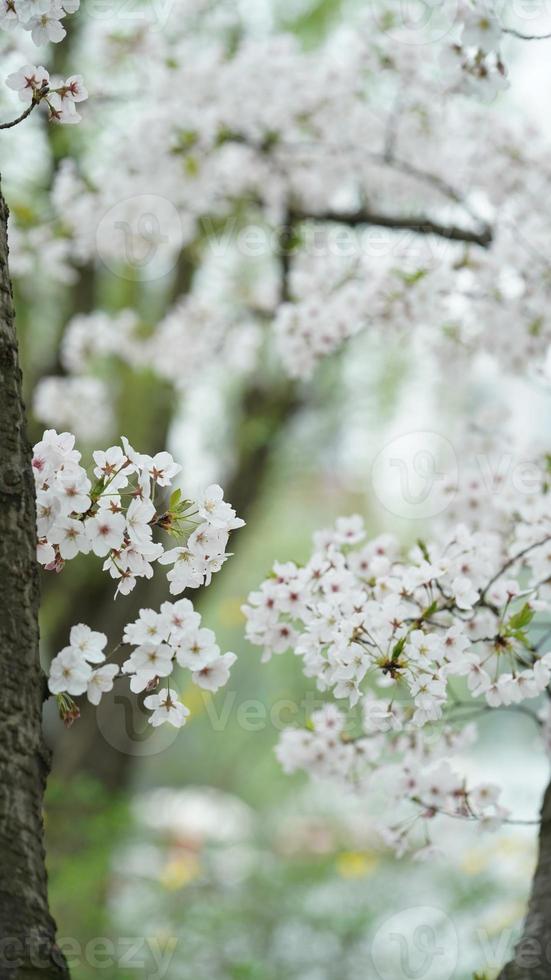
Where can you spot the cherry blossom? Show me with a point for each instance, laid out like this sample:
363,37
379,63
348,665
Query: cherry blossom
28,81
163,642
44,20
166,709
393,634
101,682
76,516
69,672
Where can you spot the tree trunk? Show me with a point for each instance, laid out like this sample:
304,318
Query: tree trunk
27,931
532,960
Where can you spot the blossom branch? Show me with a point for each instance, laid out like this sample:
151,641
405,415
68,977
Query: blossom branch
512,561
421,225
511,821
525,37
39,93
24,115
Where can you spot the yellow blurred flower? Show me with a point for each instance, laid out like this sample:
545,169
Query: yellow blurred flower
356,864
180,871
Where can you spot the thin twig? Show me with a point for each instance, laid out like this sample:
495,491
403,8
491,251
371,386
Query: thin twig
38,95
24,115
512,821
512,561
525,37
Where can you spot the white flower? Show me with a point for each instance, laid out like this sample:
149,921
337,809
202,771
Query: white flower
214,510
8,15
481,30
45,553
197,649
138,518
88,643
73,489
69,673
465,593
48,507
101,682
105,532
151,627
187,572
109,466
136,465
380,716
496,693
181,618
47,27
73,89
71,537
349,530
62,110
27,81
32,8
127,582
146,663
161,468
166,708
207,546
216,673
484,795
478,680
51,452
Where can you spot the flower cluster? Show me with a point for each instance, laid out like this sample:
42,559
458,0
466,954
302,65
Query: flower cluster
43,18
115,515
312,329
260,147
173,636
33,85
396,638
80,403
177,349
476,60
193,339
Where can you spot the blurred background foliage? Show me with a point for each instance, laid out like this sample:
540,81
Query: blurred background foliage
199,845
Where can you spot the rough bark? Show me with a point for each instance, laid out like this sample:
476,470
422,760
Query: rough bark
27,931
532,959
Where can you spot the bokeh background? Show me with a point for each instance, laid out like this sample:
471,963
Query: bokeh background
190,854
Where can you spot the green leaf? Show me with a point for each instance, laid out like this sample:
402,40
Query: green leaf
191,166
521,619
520,637
399,646
423,549
536,326
410,278
428,612
174,499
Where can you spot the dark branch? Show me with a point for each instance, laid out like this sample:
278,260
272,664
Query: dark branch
511,561
38,95
421,226
525,37
24,115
